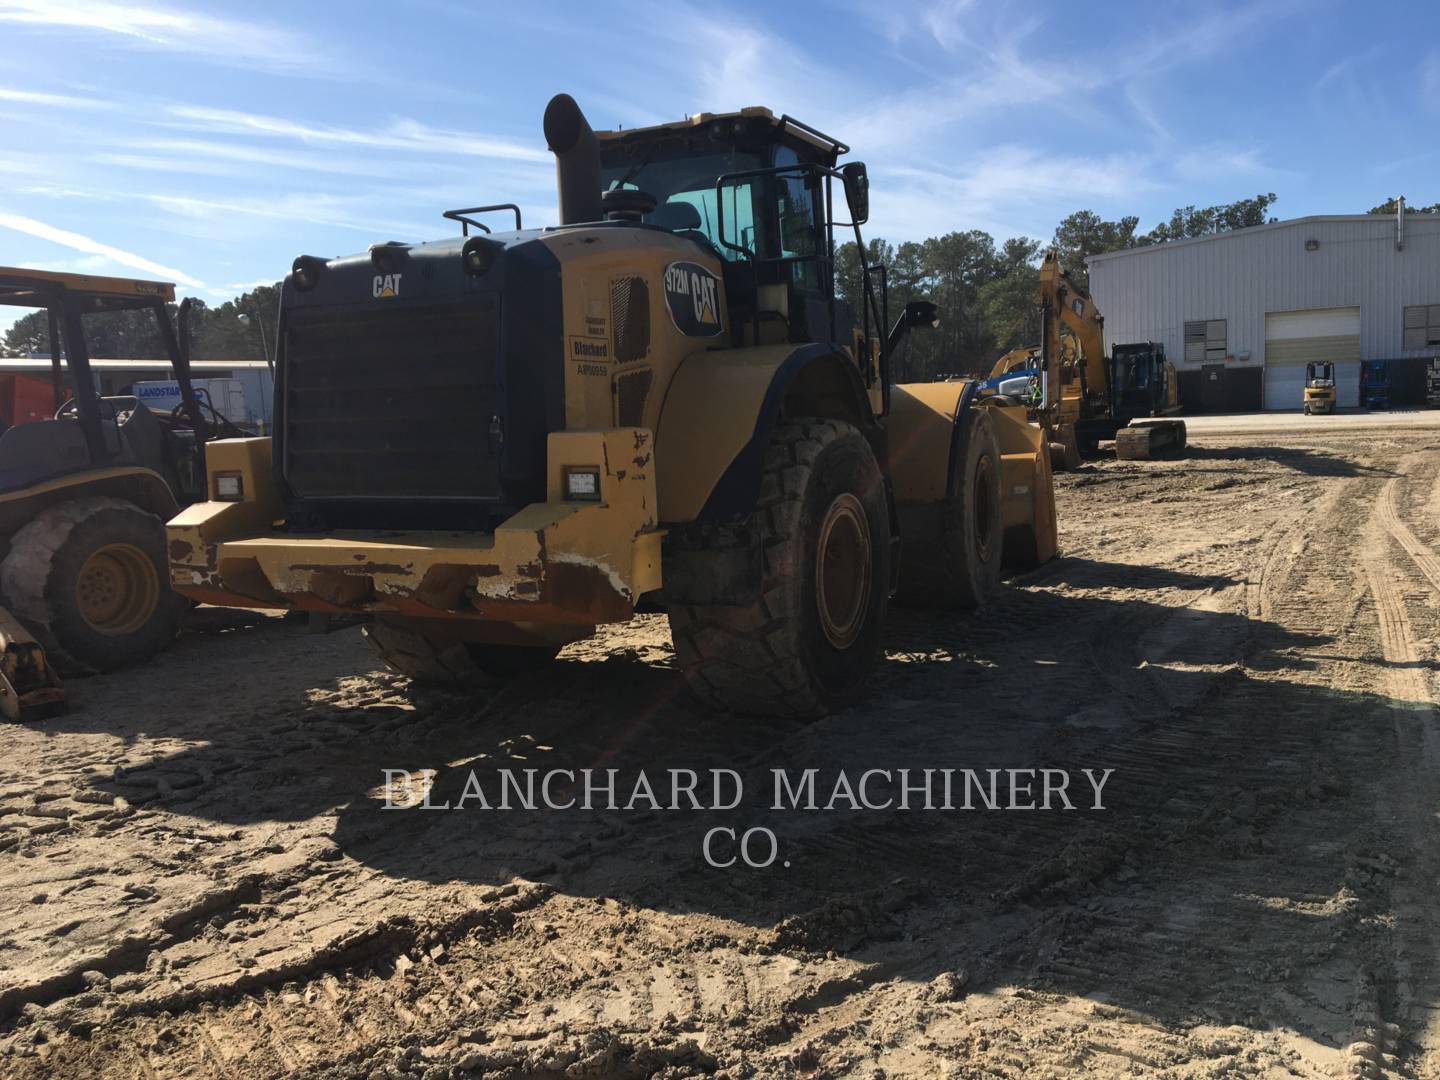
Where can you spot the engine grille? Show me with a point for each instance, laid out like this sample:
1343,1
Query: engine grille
630,318
392,402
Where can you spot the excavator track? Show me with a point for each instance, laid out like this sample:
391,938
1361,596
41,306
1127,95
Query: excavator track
1145,439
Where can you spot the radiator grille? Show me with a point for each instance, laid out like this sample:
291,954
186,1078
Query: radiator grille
631,391
392,402
630,318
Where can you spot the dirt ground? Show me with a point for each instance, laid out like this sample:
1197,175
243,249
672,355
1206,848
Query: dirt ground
197,877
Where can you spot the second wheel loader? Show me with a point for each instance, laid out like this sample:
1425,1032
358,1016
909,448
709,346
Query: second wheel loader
493,443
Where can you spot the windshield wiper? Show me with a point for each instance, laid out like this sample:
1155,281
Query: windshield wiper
632,173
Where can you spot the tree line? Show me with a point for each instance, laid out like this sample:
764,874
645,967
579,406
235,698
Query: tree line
986,292
216,333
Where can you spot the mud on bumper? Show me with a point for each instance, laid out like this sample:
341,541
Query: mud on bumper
560,561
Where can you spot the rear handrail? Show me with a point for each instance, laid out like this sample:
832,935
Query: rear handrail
462,216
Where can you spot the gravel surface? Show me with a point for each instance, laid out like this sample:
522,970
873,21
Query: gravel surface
198,876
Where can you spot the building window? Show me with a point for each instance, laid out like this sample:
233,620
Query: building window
1422,326
1205,341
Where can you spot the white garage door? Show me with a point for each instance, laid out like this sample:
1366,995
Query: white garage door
1296,338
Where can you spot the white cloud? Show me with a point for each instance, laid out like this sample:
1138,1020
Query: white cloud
911,203
1219,161
399,135
79,242
1147,114
231,41
64,101
339,212
1345,67
947,23
1430,79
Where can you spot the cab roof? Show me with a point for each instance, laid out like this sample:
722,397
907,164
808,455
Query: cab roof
783,125
20,287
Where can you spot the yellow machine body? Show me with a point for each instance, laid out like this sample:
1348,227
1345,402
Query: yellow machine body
682,372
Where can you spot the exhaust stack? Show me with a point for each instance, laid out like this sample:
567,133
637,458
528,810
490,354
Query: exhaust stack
577,160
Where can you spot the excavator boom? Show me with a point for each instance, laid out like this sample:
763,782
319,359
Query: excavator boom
1081,402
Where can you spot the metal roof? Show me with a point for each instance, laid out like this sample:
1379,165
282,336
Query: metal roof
1387,220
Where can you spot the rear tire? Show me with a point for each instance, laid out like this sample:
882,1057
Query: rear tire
960,568
89,578
452,663
807,643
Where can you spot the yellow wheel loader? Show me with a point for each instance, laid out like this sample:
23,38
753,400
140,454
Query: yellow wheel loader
83,501
1319,388
493,443
1080,395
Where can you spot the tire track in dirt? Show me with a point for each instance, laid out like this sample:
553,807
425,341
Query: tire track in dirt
1295,583
1408,986
1182,933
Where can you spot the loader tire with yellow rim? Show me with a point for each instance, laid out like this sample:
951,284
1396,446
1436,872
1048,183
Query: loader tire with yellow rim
807,642
88,578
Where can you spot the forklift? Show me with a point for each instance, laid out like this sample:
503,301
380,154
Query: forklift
84,497
1319,387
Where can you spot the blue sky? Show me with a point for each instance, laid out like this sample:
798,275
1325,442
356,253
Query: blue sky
210,144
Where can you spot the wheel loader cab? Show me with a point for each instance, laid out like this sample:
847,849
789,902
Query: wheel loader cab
757,192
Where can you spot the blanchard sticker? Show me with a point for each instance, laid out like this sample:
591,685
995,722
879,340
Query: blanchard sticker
692,294
581,349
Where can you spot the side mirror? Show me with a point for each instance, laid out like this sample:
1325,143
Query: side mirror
917,313
857,191
922,313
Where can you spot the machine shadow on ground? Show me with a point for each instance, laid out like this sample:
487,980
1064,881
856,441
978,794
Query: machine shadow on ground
1210,765
1302,459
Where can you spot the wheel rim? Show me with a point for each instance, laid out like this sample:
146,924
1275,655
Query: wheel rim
118,589
984,509
843,570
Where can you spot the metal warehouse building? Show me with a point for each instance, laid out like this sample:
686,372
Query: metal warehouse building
1240,313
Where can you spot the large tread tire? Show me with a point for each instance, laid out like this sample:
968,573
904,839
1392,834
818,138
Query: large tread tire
960,568
39,578
772,657
451,663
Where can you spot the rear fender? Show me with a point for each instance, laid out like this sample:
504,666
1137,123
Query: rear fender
144,487
1027,488
929,426
720,413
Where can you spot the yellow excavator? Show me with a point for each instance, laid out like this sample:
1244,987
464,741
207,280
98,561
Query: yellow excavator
1129,397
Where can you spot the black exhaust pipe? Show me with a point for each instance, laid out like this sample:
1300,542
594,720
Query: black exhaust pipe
577,160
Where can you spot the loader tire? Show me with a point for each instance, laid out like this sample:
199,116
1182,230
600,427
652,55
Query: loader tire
806,644
451,663
88,577
960,567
